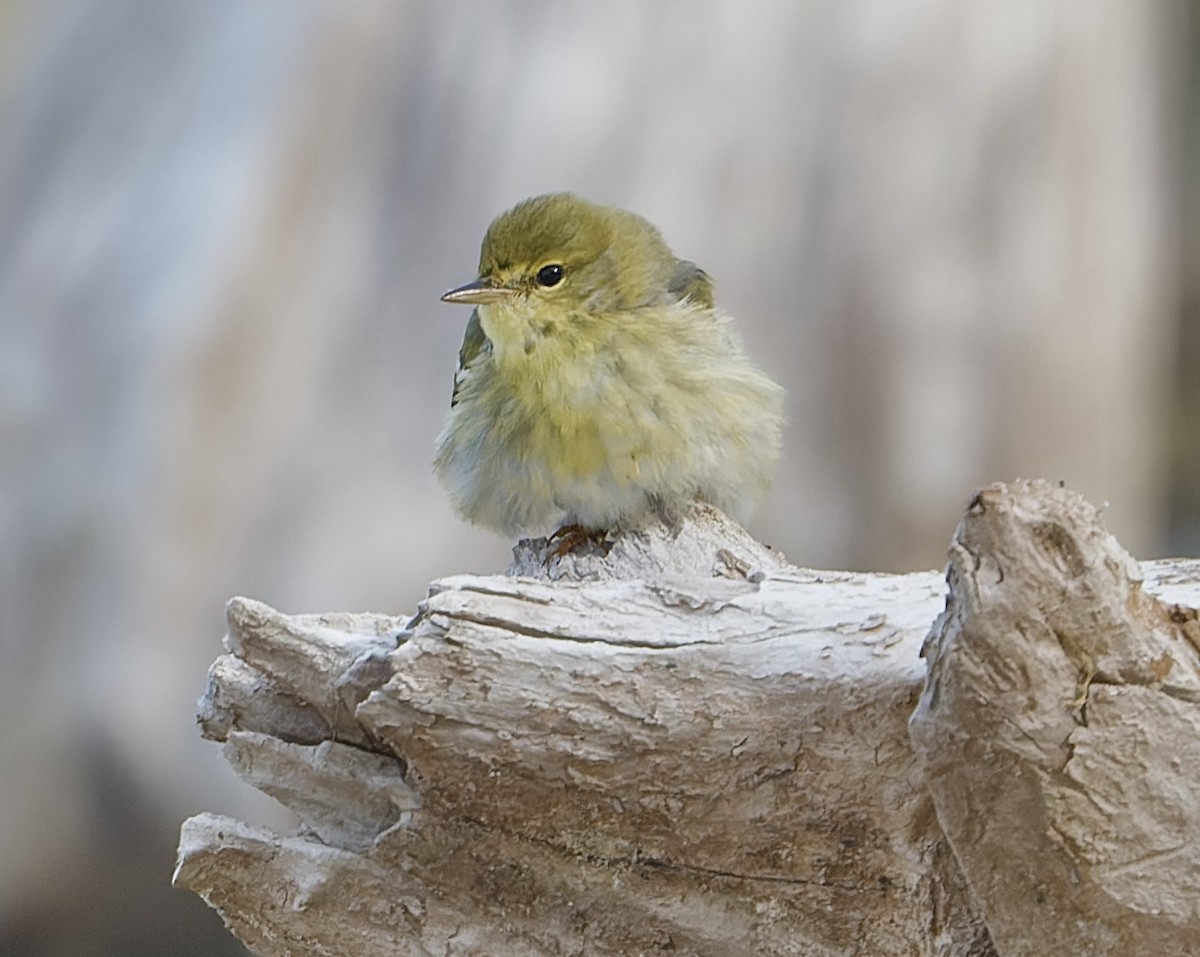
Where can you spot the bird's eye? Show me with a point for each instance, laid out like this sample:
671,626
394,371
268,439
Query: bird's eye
550,275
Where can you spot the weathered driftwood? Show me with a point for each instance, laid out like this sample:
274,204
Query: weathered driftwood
687,746
1060,730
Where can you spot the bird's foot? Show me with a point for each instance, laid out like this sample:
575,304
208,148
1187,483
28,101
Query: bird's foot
573,536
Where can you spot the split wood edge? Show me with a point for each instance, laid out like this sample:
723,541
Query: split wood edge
686,745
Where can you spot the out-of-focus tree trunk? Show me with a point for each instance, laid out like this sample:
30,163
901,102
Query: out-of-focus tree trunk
948,229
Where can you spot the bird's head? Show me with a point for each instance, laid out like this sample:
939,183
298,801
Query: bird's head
562,253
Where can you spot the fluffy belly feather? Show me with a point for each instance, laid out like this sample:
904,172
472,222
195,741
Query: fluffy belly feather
558,433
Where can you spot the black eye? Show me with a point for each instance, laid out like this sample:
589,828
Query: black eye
550,275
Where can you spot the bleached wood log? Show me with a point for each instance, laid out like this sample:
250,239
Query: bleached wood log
688,746
1060,730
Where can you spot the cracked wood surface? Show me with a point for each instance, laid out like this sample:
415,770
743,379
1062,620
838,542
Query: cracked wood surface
685,745
1060,730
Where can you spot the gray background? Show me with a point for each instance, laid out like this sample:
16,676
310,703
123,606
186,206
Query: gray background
961,234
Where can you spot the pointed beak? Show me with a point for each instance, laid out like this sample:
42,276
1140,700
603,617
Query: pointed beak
478,293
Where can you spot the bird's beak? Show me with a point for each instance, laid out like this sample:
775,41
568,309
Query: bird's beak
478,293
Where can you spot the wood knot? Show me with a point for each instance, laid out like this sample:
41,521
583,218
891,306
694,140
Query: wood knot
1060,546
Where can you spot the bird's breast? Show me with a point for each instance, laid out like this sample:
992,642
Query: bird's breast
553,388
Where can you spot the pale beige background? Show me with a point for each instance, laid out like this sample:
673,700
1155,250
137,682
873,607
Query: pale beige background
952,229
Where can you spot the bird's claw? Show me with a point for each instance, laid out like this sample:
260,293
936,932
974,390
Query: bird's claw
572,536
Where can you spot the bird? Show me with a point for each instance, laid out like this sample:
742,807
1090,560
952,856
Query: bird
598,385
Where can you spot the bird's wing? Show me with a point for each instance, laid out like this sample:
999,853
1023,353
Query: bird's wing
691,282
475,344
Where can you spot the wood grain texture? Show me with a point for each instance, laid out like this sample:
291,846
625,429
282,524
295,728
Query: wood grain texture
675,757
1060,730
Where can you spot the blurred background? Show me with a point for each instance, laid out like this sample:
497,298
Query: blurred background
963,235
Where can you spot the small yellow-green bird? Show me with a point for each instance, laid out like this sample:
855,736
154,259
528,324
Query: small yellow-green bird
597,384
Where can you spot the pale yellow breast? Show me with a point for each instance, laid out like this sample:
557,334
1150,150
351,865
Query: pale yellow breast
592,416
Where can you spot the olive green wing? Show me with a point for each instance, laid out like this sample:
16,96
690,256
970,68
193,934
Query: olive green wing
475,345
691,282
